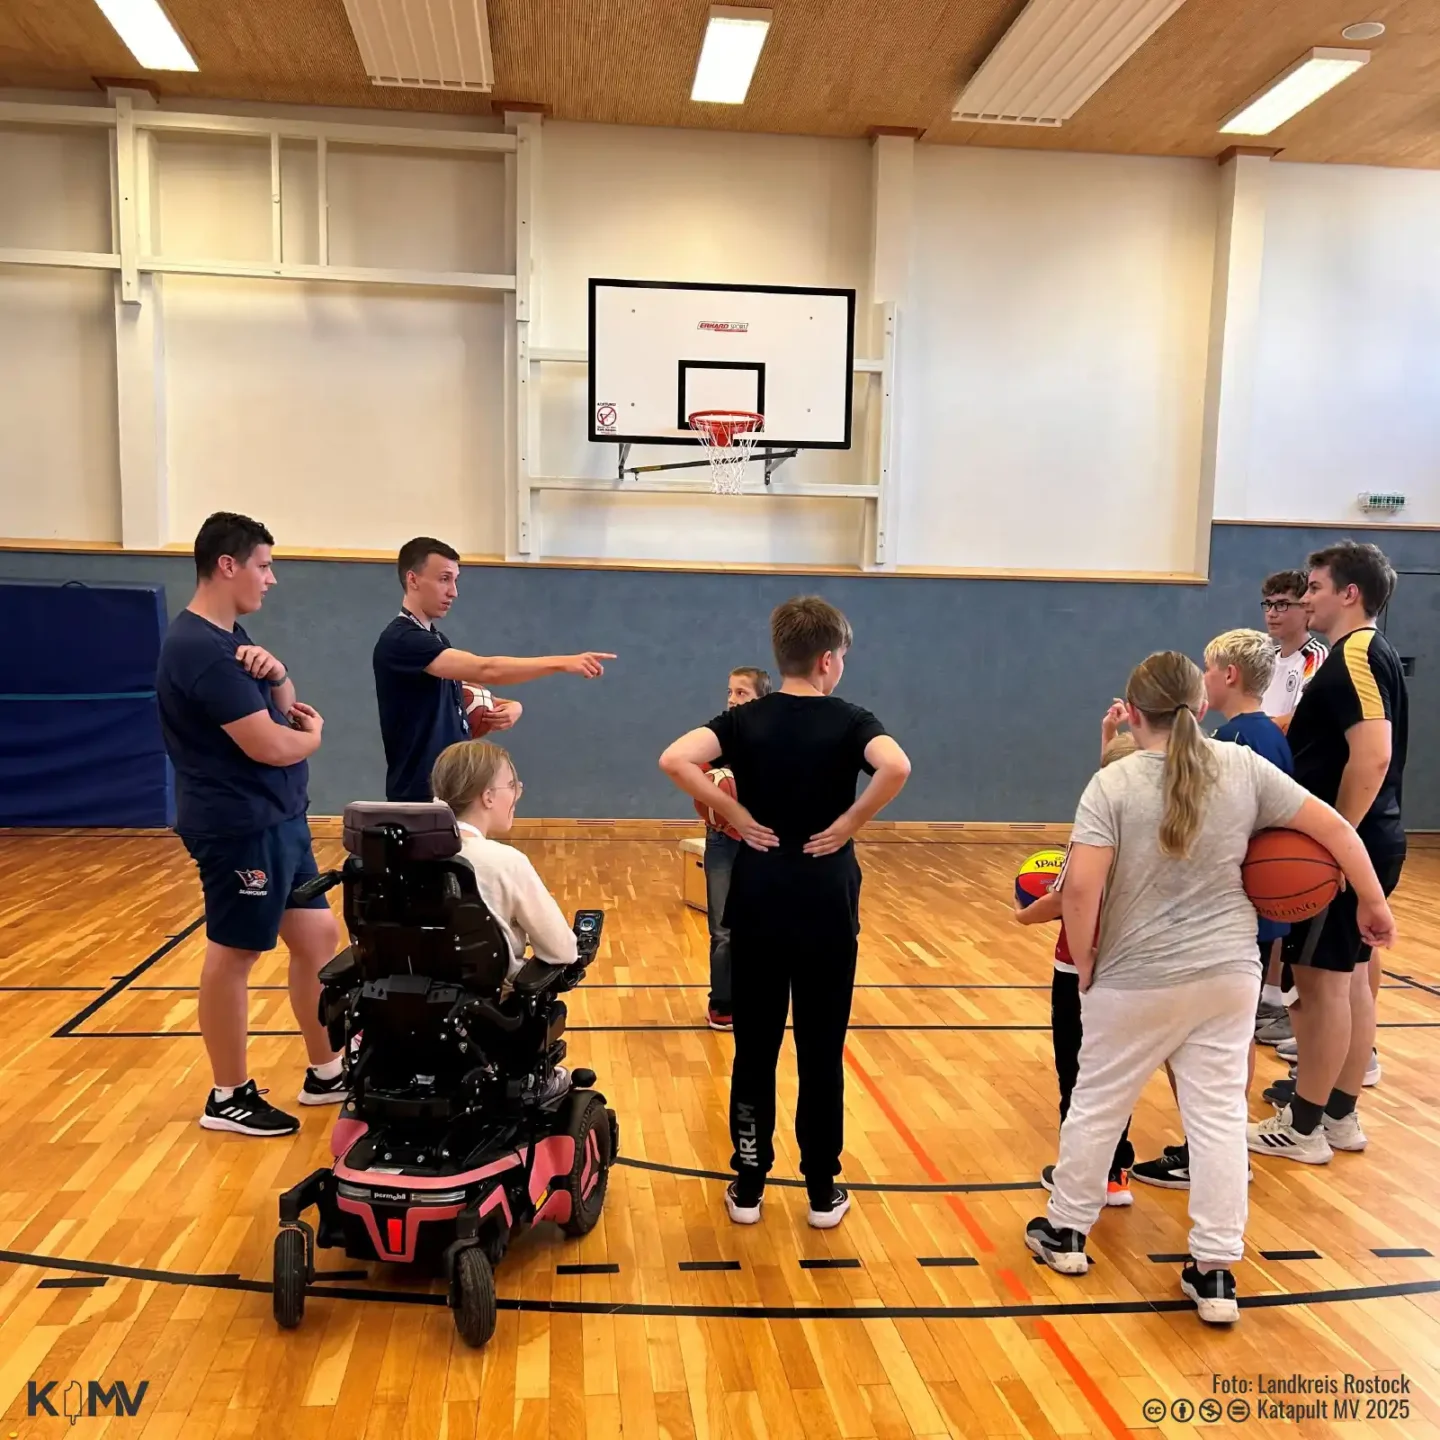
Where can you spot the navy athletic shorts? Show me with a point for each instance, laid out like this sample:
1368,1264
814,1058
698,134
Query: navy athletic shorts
247,881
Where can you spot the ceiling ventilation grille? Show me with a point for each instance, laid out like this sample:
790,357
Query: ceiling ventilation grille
424,44
1055,56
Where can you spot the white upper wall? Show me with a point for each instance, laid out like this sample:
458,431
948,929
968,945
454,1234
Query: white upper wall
1053,360
59,465
1051,368
345,417
1347,374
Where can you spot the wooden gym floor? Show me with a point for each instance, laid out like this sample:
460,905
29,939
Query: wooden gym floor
136,1245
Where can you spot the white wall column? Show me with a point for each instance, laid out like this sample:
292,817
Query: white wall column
1234,335
892,249
139,332
522,311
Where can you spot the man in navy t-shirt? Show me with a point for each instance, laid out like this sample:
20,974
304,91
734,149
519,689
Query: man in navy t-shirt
419,673
240,741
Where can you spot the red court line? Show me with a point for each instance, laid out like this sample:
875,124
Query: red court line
1084,1381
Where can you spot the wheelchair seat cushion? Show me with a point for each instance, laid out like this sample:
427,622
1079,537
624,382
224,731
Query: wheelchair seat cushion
430,829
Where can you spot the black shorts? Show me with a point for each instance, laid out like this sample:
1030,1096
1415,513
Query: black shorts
247,881
1337,946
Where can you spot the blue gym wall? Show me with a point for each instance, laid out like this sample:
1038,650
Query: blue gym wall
995,687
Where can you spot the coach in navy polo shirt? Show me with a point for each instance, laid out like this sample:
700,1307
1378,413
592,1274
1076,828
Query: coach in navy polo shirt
418,672
240,742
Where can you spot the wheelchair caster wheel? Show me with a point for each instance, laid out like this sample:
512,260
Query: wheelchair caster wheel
291,1267
472,1295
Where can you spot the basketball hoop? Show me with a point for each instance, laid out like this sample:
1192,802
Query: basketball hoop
729,438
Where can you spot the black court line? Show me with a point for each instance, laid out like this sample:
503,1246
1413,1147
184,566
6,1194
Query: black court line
73,1282
937,1262
608,1268
1403,1252
841,1262
1412,983
1290,1255
689,1173
231,1281
709,1264
1165,1258
71,1026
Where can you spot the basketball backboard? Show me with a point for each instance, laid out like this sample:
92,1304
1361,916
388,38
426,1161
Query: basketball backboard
661,350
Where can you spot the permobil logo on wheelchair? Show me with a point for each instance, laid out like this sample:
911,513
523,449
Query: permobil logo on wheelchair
462,1126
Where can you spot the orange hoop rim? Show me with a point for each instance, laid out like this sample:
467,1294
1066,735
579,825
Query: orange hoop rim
720,427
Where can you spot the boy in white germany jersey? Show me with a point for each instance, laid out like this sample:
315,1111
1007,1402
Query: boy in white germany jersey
1301,655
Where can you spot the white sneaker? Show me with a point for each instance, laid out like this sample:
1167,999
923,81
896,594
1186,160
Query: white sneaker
1288,1050
741,1214
1373,1071
832,1214
1277,1136
1345,1134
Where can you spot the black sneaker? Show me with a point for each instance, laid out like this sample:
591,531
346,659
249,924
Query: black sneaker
316,1091
1170,1172
1061,1250
1281,1093
247,1114
827,1217
1213,1294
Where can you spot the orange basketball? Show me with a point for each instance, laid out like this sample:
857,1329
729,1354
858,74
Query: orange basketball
479,708
725,780
1289,876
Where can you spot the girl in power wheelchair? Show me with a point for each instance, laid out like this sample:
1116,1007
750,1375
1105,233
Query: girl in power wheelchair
463,1125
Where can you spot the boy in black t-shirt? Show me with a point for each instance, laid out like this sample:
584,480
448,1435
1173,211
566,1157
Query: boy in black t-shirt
1348,738
418,672
793,907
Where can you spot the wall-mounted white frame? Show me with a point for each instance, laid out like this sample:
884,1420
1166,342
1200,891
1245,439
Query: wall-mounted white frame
132,121
132,258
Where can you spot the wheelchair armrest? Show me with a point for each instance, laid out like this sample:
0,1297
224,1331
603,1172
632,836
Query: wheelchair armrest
537,977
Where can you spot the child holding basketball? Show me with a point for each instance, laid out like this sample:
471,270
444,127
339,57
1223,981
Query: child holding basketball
1066,1030
1175,975
793,907
746,683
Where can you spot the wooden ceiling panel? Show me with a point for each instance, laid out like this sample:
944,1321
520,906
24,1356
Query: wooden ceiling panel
830,67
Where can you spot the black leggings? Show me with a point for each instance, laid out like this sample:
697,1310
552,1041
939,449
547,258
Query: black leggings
768,972
1066,1033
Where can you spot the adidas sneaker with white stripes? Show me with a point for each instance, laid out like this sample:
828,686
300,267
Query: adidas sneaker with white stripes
245,1113
1278,1136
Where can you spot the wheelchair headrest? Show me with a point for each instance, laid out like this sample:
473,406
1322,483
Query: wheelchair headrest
423,831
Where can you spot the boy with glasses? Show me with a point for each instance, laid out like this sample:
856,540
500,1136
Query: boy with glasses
1288,623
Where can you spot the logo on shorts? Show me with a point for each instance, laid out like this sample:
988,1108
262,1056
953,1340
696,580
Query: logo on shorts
253,882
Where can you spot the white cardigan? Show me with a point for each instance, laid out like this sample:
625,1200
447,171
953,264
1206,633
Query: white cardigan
516,896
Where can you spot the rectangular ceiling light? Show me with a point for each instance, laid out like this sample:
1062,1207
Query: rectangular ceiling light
424,44
733,41
1288,94
148,34
1055,56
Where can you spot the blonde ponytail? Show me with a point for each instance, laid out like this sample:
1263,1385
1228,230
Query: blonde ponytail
1167,689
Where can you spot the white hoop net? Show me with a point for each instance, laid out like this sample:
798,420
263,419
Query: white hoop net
728,437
